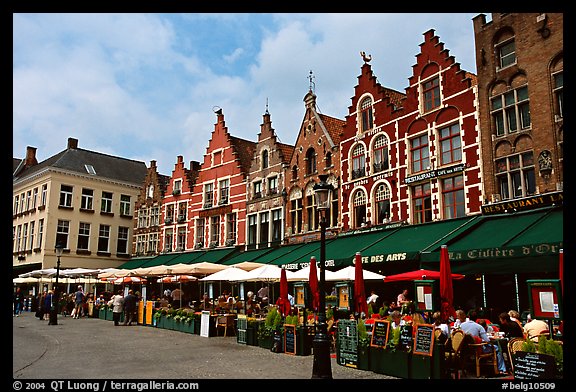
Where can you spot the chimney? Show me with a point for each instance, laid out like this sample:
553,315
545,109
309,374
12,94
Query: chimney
72,143
153,163
30,156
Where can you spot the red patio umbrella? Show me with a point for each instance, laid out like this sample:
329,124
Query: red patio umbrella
283,302
359,294
313,283
420,274
561,270
446,289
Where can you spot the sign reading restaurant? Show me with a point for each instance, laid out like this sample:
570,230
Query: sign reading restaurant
524,204
435,173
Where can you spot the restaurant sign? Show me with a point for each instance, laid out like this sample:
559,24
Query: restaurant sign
501,252
435,173
524,204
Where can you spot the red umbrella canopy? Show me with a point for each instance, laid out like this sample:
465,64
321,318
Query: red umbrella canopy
359,294
446,290
313,282
129,279
418,275
282,301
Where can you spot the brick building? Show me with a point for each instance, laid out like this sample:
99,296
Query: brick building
148,212
266,192
218,202
412,157
316,152
519,60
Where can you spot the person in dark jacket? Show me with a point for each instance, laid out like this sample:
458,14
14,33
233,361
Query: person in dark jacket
510,328
48,304
129,308
18,301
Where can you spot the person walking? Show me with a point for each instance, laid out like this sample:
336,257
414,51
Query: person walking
48,304
117,303
129,307
18,301
78,302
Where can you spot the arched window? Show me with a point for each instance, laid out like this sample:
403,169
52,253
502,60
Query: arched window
381,154
382,198
359,209
264,159
366,114
358,162
310,161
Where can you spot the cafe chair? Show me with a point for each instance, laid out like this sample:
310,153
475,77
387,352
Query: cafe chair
514,345
224,322
480,355
454,354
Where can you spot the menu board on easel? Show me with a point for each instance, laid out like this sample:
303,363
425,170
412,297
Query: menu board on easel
205,323
424,340
380,333
242,326
290,339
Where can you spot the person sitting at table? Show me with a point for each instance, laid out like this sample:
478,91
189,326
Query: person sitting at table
535,327
396,319
479,334
443,327
205,303
510,328
488,328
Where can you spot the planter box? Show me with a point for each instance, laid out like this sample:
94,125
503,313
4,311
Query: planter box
102,313
252,336
364,358
187,327
169,323
393,363
266,342
109,314
197,326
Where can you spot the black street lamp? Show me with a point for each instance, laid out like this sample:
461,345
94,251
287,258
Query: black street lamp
322,367
56,294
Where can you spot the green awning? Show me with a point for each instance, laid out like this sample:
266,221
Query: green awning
186,257
160,260
524,242
407,242
249,255
136,262
215,255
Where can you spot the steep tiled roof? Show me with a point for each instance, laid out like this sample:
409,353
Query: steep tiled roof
245,150
106,166
287,151
334,126
396,97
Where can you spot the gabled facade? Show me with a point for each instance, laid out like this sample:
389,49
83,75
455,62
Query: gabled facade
81,199
148,212
176,205
413,157
316,152
520,63
218,201
266,189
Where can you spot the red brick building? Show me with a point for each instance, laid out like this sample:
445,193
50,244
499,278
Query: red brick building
218,201
412,157
266,198
519,58
176,205
316,152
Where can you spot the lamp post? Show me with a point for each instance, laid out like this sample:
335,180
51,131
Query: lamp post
322,367
56,294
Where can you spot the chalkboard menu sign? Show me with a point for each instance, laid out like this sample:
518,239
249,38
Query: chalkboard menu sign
290,339
380,333
533,365
347,339
242,324
424,341
406,335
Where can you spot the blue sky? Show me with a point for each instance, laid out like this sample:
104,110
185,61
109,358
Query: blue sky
143,86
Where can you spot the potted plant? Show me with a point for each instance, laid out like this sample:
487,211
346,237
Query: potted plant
547,347
363,346
158,320
267,329
252,332
169,319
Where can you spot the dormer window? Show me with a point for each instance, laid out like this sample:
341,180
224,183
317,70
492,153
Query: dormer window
177,188
90,169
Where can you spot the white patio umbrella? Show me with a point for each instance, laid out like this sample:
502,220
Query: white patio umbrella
114,273
229,274
203,268
247,265
347,274
40,273
303,274
79,272
265,273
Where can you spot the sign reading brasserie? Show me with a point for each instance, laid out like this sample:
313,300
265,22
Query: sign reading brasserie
524,204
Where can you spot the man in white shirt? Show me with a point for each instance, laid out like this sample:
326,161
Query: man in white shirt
372,299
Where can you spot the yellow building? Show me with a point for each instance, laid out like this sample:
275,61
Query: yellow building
81,199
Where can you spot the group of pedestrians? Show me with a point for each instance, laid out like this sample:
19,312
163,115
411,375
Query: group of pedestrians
126,304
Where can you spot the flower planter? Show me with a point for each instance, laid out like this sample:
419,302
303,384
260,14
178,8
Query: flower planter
187,327
102,313
364,358
196,326
169,323
266,341
109,315
393,363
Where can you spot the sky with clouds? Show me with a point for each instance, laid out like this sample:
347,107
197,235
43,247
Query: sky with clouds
144,86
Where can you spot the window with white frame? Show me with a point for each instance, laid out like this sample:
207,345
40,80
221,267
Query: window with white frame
44,195
380,152
169,218
276,225
215,230
35,198
177,188
453,200
273,185
431,93
506,53
558,80
264,228
366,115
87,200
296,215
224,191
382,199
231,228
16,205
420,156
450,144
125,205
181,239
358,161
104,239
208,195
359,201
422,203
200,232
515,175
65,196
155,216
252,229
31,242
62,232
182,212
24,235
40,233
106,202
510,111
83,236
168,239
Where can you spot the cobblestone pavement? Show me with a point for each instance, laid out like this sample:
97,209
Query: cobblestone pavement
96,349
